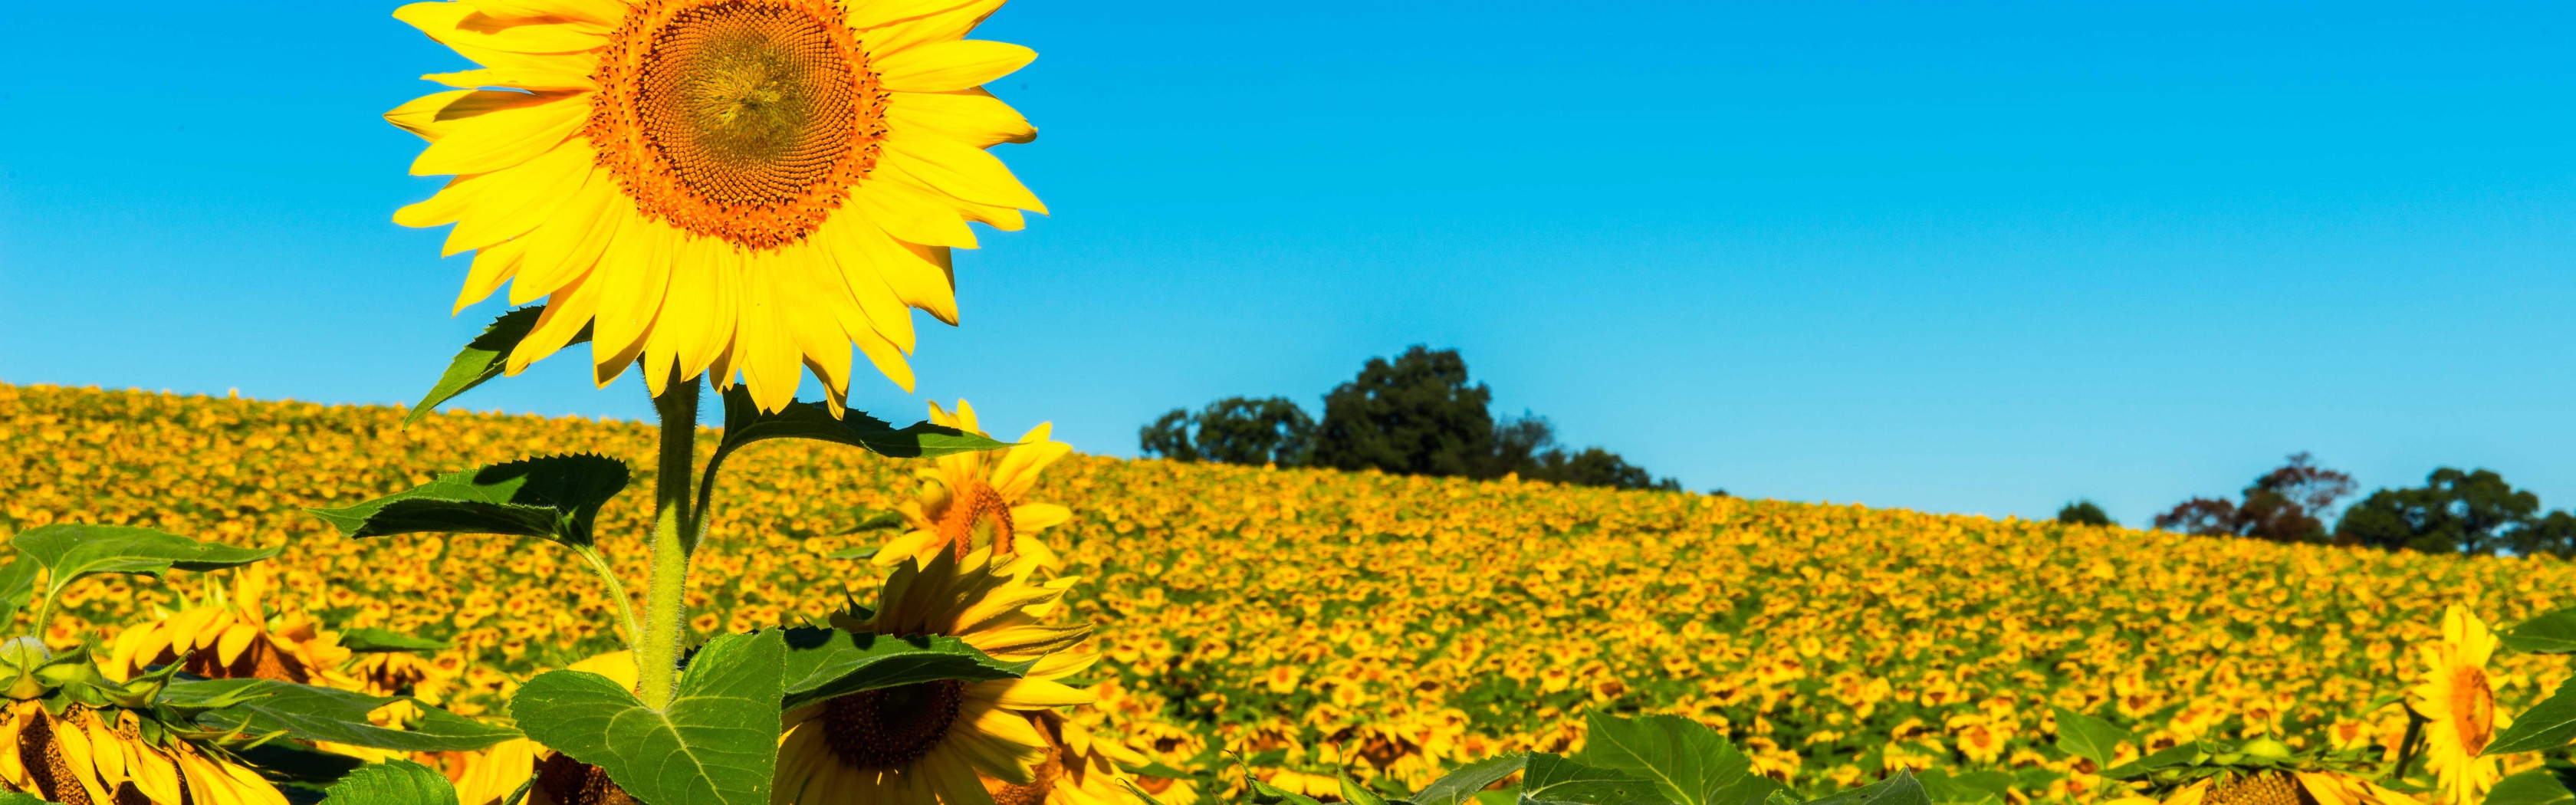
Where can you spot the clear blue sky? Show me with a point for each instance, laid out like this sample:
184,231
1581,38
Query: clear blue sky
1973,257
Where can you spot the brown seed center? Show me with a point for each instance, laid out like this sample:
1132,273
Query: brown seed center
2472,709
977,517
888,728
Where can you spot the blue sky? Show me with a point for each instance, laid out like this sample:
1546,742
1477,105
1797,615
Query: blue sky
1985,257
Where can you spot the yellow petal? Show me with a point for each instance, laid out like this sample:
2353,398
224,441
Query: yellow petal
236,639
154,775
1035,694
597,12
569,242
461,24
493,265
959,170
631,277
973,117
951,66
571,74
502,138
567,313
1038,516
939,26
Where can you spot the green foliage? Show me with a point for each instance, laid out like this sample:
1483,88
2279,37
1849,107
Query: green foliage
823,664
717,744
1414,415
1234,430
371,640
310,713
395,782
17,585
2551,633
2469,512
2287,504
555,498
1901,789
1689,763
2090,738
2548,725
1593,467
2084,512
2534,787
1555,779
1460,786
745,424
16,798
483,358
72,551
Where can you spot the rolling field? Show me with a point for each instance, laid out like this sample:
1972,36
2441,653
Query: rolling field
1314,620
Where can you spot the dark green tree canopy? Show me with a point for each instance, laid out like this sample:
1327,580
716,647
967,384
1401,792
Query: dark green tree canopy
2288,504
1414,415
2467,512
1234,430
2084,512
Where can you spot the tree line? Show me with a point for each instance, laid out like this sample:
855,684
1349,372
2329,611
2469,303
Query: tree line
2455,511
1415,415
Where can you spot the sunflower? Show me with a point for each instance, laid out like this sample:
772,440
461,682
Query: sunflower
85,756
2455,696
492,774
936,743
234,638
978,499
2279,787
718,186
1080,769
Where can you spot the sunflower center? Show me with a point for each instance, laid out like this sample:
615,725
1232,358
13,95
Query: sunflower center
2265,788
888,728
747,120
2472,709
977,517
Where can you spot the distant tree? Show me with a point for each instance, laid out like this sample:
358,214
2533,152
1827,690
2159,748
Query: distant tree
2554,534
1234,430
2084,512
2287,504
1597,467
2454,511
1415,415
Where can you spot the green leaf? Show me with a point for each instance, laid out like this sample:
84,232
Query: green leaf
2168,757
716,745
15,798
371,640
745,424
72,551
830,663
1356,794
1965,788
1148,799
1901,789
555,497
1556,779
396,782
2534,787
484,357
1265,792
2547,725
2089,738
1689,763
1461,785
2553,633
310,713
17,585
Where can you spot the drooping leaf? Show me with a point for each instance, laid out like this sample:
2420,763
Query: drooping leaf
1459,786
745,424
314,713
72,551
555,497
371,640
2553,633
2534,787
298,763
394,782
1689,763
2089,738
17,585
1552,778
828,663
717,744
2547,725
1901,789
484,357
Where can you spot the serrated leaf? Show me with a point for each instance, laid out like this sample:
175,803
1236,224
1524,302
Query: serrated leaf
829,663
1461,785
72,551
484,357
1552,778
745,424
554,497
717,744
395,782
2547,725
371,640
2090,738
1901,789
2553,633
1689,763
2534,787
310,713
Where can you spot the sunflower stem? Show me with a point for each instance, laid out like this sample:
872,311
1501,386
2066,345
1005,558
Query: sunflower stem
657,655
627,627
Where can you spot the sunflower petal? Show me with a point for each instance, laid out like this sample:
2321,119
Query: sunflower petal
951,66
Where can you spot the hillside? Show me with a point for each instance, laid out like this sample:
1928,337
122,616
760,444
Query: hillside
1312,618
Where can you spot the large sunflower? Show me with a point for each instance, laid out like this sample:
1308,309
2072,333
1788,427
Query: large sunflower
2277,787
2456,697
936,743
718,186
979,499
85,756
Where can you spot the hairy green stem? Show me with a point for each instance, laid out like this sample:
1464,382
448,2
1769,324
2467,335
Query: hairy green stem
657,655
627,627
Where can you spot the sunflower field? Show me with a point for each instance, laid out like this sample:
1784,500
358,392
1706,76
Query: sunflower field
1314,624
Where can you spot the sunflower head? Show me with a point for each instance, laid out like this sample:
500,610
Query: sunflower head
978,500
2458,702
80,754
996,609
234,637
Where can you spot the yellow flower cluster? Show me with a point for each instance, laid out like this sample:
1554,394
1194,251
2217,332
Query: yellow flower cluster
1391,626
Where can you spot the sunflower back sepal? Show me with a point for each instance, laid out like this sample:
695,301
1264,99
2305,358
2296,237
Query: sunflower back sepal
822,663
716,744
310,713
484,358
552,497
745,423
